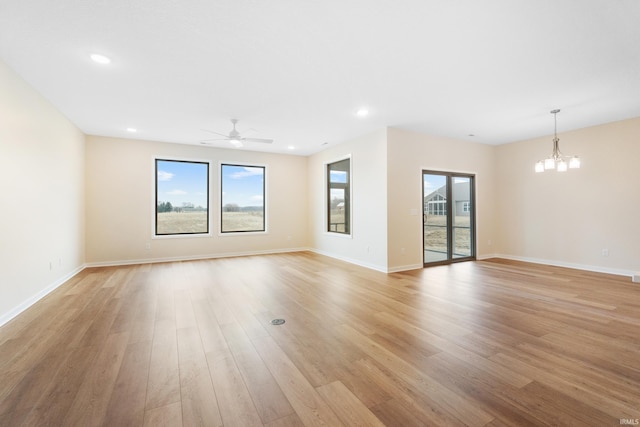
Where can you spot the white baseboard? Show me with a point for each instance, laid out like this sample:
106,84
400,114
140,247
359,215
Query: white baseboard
585,267
382,269
116,263
400,268
6,317
487,256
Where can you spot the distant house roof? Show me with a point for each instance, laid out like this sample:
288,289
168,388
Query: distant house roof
460,192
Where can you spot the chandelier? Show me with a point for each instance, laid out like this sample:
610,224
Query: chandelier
557,160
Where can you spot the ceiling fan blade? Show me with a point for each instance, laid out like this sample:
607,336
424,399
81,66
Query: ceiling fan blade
216,133
265,141
215,139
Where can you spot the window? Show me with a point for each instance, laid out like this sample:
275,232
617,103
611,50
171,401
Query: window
339,197
242,192
182,197
466,207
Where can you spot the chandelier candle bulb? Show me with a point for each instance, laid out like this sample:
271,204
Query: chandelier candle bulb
574,163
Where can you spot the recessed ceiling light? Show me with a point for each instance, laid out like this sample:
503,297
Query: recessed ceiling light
291,147
132,130
100,59
363,112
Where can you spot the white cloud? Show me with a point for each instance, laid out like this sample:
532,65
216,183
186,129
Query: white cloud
165,176
176,193
257,197
247,171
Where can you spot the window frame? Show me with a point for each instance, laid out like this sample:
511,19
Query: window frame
265,187
348,204
451,213
154,221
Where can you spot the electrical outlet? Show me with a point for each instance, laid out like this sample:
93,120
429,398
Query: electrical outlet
605,252
147,246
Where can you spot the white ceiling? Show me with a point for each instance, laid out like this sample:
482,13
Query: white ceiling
297,70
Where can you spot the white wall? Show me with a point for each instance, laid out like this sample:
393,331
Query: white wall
408,154
367,244
569,218
120,203
42,210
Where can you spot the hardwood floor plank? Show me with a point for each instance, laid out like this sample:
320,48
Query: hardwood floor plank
236,406
90,405
164,375
199,401
440,395
268,398
408,398
362,387
185,317
288,421
89,312
605,396
127,404
309,406
164,416
25,395
392,413
56,399
479,386
349,409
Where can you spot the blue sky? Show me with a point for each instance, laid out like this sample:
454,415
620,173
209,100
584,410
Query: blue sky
242,185
433,182
182,182
338,176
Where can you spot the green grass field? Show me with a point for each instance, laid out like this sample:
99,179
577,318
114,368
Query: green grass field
182,222
242,221
196,222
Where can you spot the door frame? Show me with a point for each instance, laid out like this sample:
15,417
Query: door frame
449,176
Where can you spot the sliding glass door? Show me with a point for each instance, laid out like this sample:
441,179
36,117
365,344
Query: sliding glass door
448,217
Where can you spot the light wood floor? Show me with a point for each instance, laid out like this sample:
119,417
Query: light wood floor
488,343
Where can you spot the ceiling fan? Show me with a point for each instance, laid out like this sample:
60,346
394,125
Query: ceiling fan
234,137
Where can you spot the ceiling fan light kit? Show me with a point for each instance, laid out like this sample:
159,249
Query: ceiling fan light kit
557,160
235,138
